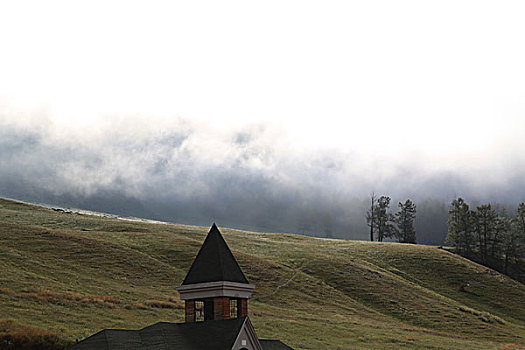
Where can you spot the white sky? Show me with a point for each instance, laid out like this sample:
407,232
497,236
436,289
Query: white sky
384,77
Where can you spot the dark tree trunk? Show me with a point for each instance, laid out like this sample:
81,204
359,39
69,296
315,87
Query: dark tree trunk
372,219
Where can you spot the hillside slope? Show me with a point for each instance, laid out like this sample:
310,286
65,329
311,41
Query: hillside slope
76,274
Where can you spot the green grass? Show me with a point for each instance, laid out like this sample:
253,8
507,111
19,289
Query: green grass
74,275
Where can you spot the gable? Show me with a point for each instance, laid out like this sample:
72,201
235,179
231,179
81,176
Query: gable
247,338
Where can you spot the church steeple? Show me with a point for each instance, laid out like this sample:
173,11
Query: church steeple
215,281
214,262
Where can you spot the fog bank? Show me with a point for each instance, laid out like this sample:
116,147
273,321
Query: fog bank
180,171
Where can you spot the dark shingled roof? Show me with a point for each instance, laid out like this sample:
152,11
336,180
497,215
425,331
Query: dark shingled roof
210,335
270,344
214,262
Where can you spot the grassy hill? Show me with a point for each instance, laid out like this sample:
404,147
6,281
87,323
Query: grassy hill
75,274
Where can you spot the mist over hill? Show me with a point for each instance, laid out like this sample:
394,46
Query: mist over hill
253,178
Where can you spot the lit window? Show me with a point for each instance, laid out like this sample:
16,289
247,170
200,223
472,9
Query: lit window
233,308
199,311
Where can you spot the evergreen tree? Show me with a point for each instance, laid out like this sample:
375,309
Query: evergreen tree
520,219
460,227
405,222
510,244
501,226
384,220
520,223
487,236
514,243
484,220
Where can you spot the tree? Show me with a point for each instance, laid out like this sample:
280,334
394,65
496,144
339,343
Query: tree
383,219
514,242
484,219
520,219
460,227
405,222
487,236
520,225
501,226
370,216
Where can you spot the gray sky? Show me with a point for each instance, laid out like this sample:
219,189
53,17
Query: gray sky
305,98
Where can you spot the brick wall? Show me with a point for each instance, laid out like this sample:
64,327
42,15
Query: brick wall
189,311
221,308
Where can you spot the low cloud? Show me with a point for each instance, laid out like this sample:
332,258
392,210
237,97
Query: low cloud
253,177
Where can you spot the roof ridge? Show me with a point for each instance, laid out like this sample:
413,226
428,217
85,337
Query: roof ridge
219,236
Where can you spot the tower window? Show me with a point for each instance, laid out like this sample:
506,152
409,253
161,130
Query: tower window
233,308
199,311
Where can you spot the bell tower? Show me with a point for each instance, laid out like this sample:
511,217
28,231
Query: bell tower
215,285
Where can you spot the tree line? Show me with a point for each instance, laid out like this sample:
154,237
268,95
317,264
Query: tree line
489,236
385,224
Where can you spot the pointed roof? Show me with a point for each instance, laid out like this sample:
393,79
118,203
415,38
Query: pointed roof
214,262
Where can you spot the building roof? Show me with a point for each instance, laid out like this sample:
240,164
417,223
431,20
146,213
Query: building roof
214,262
212,335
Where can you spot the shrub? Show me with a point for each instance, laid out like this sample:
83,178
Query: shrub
161,304
484,316
15,336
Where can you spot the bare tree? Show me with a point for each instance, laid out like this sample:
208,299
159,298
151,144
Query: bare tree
370,216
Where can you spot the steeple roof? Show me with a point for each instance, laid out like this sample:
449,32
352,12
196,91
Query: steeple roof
214,262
